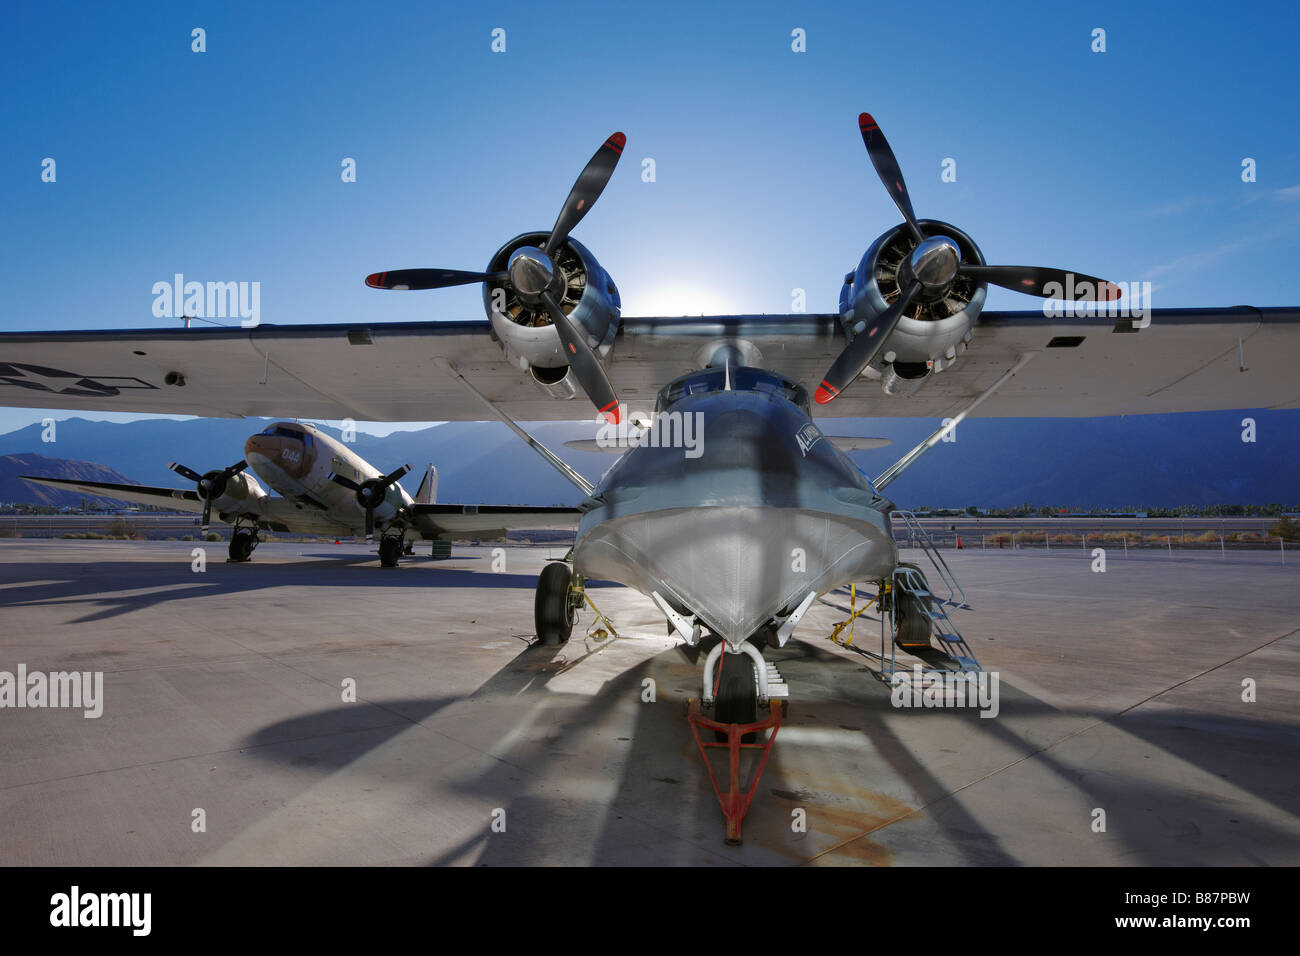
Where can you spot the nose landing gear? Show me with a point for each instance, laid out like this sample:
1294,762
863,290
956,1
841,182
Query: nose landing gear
730,708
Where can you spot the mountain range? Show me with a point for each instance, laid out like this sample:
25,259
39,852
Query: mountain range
1124,463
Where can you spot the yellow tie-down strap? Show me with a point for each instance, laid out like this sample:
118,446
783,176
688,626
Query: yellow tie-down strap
853,615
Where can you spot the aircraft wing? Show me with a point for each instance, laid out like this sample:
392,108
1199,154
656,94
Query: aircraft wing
491,520
1185,360
141,494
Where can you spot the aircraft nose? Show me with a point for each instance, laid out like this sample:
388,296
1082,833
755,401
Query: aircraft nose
257,446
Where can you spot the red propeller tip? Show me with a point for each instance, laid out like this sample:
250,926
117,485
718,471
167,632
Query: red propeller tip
376,280
617,141
1113,292
611,414
825,393
866,122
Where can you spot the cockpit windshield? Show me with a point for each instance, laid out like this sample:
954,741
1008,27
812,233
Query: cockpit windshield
743,379
282,431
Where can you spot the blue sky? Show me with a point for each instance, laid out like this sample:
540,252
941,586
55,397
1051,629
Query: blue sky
225,165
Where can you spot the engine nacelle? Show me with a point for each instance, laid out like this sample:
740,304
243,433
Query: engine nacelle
240,490
934,330
527,335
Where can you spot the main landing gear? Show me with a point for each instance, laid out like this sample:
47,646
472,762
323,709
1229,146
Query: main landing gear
912,622
243,539
553,609
391,547
560,595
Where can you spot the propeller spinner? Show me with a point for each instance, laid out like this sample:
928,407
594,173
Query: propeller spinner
533,276
934,264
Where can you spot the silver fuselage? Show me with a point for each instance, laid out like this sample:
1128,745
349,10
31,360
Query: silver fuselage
741,529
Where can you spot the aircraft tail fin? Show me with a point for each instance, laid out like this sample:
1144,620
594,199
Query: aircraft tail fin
428,493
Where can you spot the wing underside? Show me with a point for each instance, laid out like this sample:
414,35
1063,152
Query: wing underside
1185,360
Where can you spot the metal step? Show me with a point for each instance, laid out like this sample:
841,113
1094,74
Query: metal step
776,685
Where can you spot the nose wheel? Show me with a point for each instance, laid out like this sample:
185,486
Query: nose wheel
736,688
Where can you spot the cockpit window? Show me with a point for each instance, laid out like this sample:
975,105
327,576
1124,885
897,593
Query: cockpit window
742,379
282,432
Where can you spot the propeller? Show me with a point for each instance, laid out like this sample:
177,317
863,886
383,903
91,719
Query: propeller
887,168
405,279
209,486
371,492
532,274
934,264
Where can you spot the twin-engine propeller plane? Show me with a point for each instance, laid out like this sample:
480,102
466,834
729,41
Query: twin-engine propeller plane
709,533
324,488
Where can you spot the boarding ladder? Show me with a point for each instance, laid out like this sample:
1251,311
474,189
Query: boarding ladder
955,653
918,537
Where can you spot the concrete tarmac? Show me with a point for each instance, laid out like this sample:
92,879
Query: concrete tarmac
1122,736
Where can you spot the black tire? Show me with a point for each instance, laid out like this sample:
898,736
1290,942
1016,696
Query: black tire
912,625
736,699
552,613
242,544
390,552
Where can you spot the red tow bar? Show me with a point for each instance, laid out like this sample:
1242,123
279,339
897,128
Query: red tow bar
735,803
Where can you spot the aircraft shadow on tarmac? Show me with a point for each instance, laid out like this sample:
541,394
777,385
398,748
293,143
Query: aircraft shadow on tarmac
662,809
99,585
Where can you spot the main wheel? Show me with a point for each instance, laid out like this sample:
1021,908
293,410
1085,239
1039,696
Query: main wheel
736,699
552,613
242,543
390,552
912,624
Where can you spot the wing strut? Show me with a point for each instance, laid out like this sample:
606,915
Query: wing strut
552,459
887,476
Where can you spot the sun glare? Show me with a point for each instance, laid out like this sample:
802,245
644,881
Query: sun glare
674,300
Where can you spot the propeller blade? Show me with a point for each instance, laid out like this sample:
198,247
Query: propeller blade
393,476
370,523
887,168
184,472
207,514
582,359
1032,280
235,469
858,354
590,184
345,482
428,278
